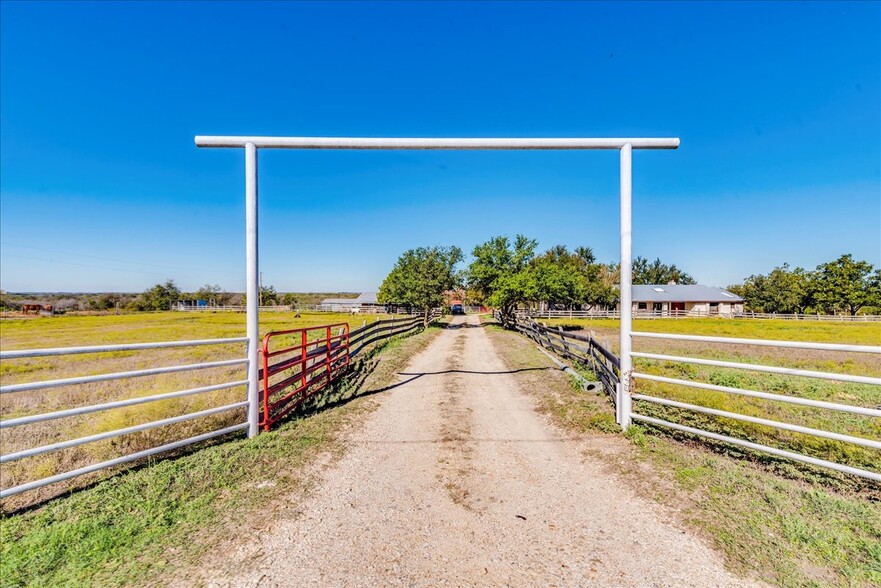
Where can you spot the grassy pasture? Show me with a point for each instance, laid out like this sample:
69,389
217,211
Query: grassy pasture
840,392
67,331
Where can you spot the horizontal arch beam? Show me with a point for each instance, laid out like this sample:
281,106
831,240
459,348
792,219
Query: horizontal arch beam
433,143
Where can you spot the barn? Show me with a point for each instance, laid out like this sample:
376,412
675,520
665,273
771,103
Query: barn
365,300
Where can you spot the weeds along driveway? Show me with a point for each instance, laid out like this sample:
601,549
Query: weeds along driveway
456,479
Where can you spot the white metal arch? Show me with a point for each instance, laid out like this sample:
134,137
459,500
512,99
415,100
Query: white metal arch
251,144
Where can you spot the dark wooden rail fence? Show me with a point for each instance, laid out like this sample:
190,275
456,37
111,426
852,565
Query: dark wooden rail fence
384,329
582,349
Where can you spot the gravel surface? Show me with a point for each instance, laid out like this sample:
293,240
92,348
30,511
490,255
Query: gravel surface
455,480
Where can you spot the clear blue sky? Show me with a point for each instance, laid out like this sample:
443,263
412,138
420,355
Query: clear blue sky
778,107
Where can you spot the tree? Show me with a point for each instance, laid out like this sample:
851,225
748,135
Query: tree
209,293
420,277
845,284
102,302
268,296
496,272
875,291
556,278
567,280
782,290
656,272
159,297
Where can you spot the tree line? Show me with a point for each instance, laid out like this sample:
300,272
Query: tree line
844,285
506,273
509,273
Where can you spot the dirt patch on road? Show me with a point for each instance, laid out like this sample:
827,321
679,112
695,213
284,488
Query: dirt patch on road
455,468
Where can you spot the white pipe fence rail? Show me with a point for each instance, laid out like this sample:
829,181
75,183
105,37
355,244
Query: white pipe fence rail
361,338
37,418
648,314
608,369
859,410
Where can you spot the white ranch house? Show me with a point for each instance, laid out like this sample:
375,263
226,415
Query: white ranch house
685,300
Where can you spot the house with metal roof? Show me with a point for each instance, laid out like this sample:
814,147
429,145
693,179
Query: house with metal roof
347,304
684,300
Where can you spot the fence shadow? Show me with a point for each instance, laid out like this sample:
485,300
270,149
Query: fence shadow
465,326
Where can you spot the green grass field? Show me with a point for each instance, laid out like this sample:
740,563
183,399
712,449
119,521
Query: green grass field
840,392
68,331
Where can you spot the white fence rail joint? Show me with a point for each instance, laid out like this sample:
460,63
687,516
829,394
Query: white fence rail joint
759,421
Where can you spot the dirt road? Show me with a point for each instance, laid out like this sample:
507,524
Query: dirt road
455,480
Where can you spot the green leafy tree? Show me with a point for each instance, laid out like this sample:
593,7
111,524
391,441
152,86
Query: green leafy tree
102,302
420,277
268,296
737,289
783,290
555,278
159,297
497,272
875,291
571,280
656,272
845,284
209,293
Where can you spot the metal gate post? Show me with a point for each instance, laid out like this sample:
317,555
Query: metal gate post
252,289
626,283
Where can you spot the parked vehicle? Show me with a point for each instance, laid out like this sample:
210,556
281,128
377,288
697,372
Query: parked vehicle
457,309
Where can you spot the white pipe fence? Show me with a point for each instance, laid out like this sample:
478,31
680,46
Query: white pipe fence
860,379
566,345
58,446
648,314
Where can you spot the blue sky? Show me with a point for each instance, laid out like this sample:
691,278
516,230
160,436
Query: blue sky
778,107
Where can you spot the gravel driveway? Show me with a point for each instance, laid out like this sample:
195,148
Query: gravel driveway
455,480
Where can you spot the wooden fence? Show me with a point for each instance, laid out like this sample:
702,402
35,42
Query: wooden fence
585,350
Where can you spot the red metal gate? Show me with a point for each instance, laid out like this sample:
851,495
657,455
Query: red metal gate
299,371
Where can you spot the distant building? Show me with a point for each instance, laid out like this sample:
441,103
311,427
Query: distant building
685,300
365,299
